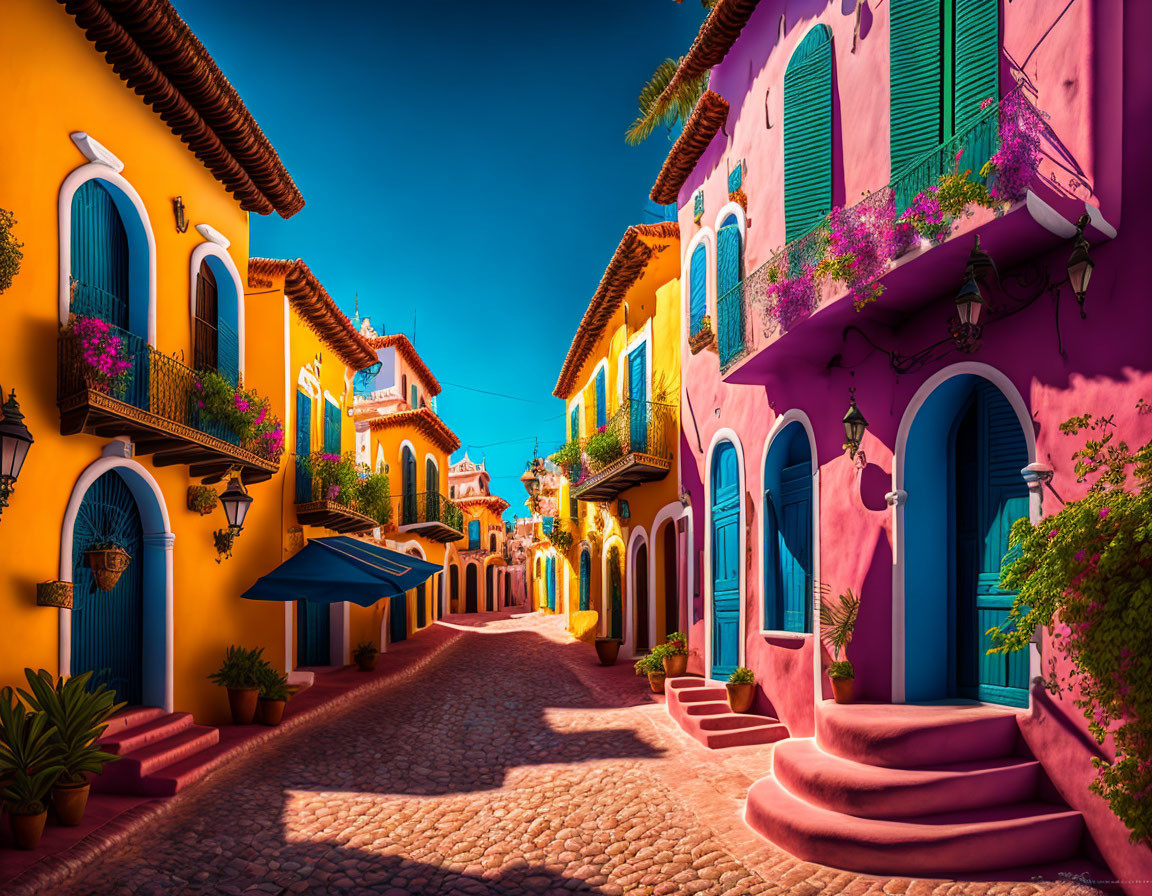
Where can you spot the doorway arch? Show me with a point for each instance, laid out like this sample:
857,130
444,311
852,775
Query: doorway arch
724,553
489,589
788,548
471,587
454,587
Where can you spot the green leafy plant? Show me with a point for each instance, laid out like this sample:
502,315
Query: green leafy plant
202,499
365,650
77,714
568,456
335,478
561,538
242,411
10,254
838,621
603,447
653,662
676,644
242,668
273,684
1083,572
742,675
957,194
28,764
841,669
375,497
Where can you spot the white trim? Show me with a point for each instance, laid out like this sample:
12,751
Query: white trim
1009,391
199,254
400,454
310,382
213,235
605,609
95,151
142,485
590,425
643,337
332,399
73,182
719,436
736,210
707,237
635,539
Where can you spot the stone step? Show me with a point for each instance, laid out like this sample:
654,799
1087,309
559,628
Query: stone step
155,729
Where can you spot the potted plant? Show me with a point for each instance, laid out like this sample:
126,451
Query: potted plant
676,654
741,689
107,560
366,656
567,458
607,649
202,499
27,768
838,622
652,665
273,695
77,714
603,447
240,674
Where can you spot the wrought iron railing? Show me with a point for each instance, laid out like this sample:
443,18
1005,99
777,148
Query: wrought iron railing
638,427
782,292
430,507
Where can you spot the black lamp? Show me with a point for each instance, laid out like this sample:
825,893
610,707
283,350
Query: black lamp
854,426
236,502
970,303
1080,264
15,440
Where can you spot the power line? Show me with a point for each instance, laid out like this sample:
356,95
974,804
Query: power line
496,394
521,439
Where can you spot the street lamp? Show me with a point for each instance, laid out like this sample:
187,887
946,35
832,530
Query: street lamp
1080,264
235,502
969,305
15,440
854,426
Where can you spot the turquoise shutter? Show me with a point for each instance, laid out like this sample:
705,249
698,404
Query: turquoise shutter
916,79
415,396
574,423
977,54
408,488
99,256
474,535
638,400
601,399
585,580
227,330
331,428
808,133
698,302
735,177
303,448
729,311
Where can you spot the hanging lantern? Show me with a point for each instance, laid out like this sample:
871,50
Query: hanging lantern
15,440
970,303
236,502
1080,264
854,426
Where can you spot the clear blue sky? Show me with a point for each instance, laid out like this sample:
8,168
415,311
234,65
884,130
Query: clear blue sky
459,160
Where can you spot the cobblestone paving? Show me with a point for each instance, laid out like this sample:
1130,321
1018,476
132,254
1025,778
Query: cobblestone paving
513,766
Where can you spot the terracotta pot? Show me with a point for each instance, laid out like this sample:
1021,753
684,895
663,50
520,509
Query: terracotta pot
675,665
270,712
607,649
842,689
69,801
656,682
366,663
242,702
740,696
107,566
27,829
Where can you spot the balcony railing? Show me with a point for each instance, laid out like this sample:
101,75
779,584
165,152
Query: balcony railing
154,404
338,509
431,514
634,446
793,282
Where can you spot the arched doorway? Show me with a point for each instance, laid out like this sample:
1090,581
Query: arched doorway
471,586
585,579
550,575
615,595
671,585
962,461
725,559
640,595
490,589
454,587
788,531
313,633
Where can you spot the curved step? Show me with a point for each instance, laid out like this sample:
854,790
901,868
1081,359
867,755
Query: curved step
944,844
869,791
907,735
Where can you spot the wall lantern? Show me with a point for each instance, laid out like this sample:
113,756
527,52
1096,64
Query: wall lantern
969,305
854,426
1080,264
15,440
236,502
178,211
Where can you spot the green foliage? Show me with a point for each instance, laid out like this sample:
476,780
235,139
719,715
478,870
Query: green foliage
28,764
375,497
603,447
841,669
365,650
561,538
568,456
242,411
10,254
838,621
676,644
202,498
272,683
335,478
77,715
659,107
957,194
742,675
653,662
241,668
1084,573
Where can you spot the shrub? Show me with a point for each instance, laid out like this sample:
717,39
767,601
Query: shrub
375,497
246,414
841,669
1014,165
676,644
568,456
334,478
242,668
603,447
106,362
653,662
202,498
28,764
272,683
10,254
742,675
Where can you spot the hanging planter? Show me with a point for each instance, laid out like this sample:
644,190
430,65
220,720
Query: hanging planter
202,499
107,560
54,594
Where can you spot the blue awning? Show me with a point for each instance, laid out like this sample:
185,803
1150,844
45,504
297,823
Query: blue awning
339,568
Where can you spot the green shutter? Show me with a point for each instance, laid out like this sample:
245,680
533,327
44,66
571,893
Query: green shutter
977,43
917,79
808,133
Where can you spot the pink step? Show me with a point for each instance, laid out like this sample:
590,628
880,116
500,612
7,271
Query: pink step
702,711
130,718
173,778
156,729
870,791
914,735
129,773
944,844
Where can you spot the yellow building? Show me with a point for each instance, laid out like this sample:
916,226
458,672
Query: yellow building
619,505
135,233
484,583
398,432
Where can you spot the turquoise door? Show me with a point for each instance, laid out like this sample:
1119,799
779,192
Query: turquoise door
550,575
99,256
313,633
989,496
601,399
303,448
638,403
729,308
108,626
585,579
788,552
725,560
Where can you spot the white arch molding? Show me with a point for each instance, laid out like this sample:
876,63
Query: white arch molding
157,659
605,595
636,538
737,211
899,496
723,435
213,249
706,237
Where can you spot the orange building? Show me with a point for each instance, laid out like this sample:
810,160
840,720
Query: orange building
484,582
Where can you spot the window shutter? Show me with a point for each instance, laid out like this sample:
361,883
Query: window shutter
727,259
331,428
99,256
228,351
575,422
808,133
698,301
977,36
601,399
917,80
303,447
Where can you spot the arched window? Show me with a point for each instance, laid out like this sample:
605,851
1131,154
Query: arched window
585,579
698,284
492,543
432,488
473,535
100,257
216,337
729,307
808,133
408,485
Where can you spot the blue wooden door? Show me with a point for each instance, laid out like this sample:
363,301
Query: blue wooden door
471,586
989,495
729,308
794,547
303,447
313,633
585,580
638,400
99,256
725,561
550,578
398,622
108,626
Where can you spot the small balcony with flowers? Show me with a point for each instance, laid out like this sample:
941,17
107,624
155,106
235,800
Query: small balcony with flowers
336,493
981,194
111,382
430,515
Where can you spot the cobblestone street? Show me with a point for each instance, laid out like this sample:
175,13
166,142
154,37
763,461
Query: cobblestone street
514,764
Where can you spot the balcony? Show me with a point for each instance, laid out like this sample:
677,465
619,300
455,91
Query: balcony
337,509
634,447
431,515
153,403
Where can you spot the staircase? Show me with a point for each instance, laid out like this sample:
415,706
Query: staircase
702,711
161,753
915,790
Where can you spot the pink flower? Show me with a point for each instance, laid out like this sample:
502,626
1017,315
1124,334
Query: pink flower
1104,512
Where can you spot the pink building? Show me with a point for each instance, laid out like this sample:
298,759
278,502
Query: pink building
818,106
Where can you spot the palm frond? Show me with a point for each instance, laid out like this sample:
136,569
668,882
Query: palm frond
654,110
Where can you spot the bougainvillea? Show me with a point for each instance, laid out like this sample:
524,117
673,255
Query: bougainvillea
1086,573
244,412
105,358
791,299
1014,165
862,240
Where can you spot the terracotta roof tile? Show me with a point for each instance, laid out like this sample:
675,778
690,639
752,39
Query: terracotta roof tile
715,38
424,421
155,52
637,247
408,352
707,118
317,309
493,502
